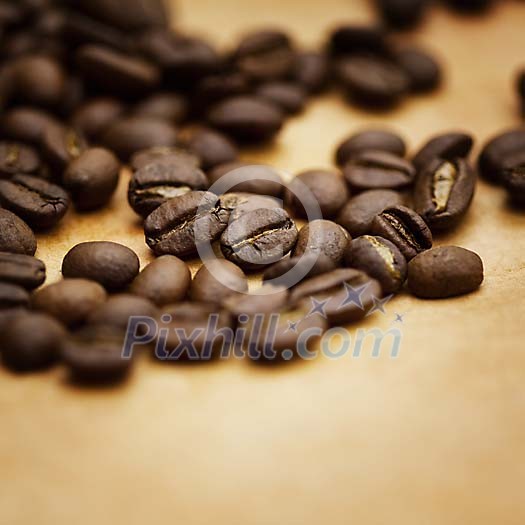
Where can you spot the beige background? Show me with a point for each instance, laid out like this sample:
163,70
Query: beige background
435,436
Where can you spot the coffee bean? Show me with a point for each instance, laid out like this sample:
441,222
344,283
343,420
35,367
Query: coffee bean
61,145
247,118
241,203
27,124
445,271
259,238
311,71
444,192
212,148
116,72
15,234
252,178
422,69
448,146
380,259
265,300
130,135
163,105
520,87
70,301
372,81
94,355
405,228
31,342
356,39
180,225
346,294
497,149
402,14
92,178
469,6
214,88
166,280
18,158
13,296
372,169
372,139
357,215
166,154
216,280
322,237
161,180
94,116
317,187
37,201
513,177
23,270
289,97
292,270
112,265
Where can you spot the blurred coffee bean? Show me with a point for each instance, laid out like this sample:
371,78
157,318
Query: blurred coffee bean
27,124
402,14
15,234
422,69
22,270
61,145
13,296
18,158
289,97
267,299
167,106
214,88
322,237
94,116
311,71
358,39
164,154
469,6
212,148
512,177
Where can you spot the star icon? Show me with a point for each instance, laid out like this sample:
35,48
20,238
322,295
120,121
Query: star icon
353,295
318,307
292,327
399,318
379,304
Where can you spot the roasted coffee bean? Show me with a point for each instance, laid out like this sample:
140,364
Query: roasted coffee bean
117,73
311,71
513,177
324,188
166,154
252,178
214,88
259,238
322,237
247,118
168,106
445,271
289,97
31,342
76,93
37,201
130,135
342,296
405,228
216,280
27,124
166,280
265,300
161,180
61,145
241,203
372,170
112,265
181,225
18,158
372,139
402,14
70,301
13,296
15,235
92,178
94,354
422,69
443,193
356,39
212,148
357,215
448,146
292,270
497,149
93,117
373,81
23,270
380,259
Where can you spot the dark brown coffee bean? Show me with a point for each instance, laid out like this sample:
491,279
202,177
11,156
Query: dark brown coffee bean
92,178
180,225
322,237
422,69
448,146
130,135
13,296
513,177
259,238
60,145
372,170
347,294
95,116
70,301
27,124
18,158
161,180
289,97
31,342
166,280
212,148
167,154
324,188
112,265
216,280
372,81
357,39
311,71
497,149
214,88
265,300
22,270
117,73
402,14
380,259
443,193
247,118
405,228
167,106
241,203
373,139
37,201
15,234
357,215
445,271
